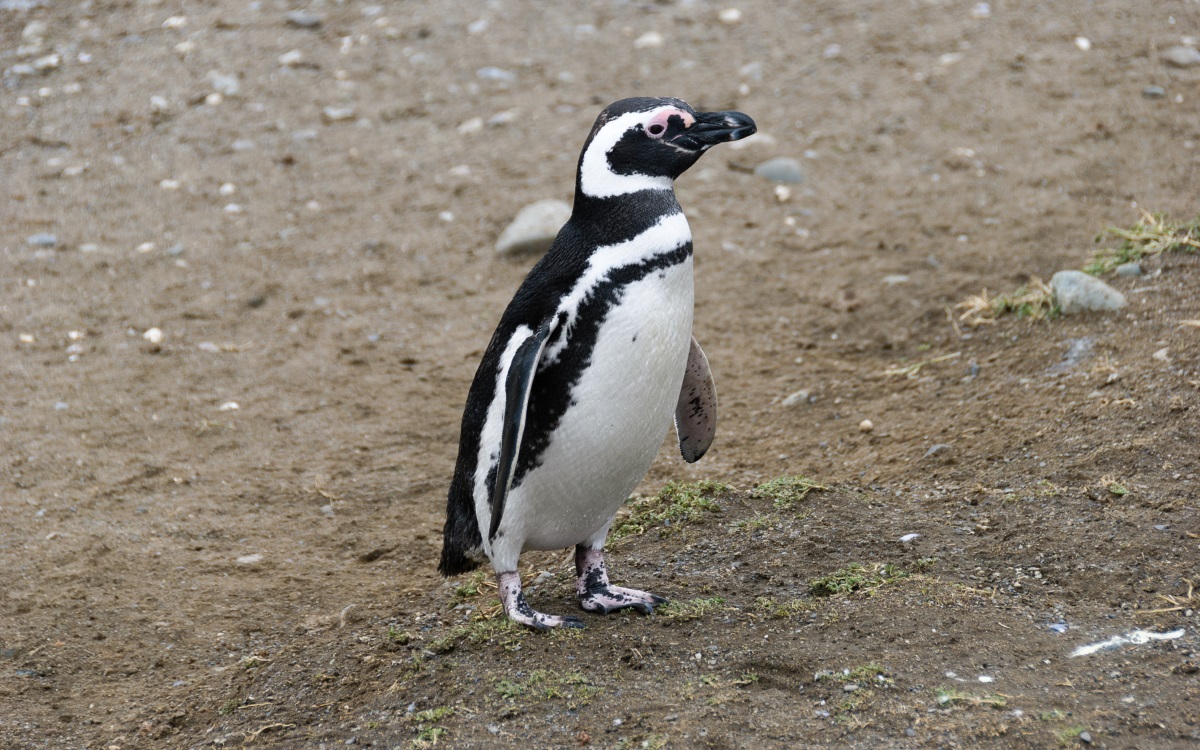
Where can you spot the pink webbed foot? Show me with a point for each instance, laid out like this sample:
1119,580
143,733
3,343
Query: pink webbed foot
595,592
520,612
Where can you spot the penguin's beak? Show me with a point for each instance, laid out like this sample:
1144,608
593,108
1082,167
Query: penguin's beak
711,128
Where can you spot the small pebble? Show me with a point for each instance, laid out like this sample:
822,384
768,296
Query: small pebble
249,559
782,169
492,73
1154,92
337,114
175,22
1181,57
1085,737
1058,627
49,62
1162,355
154,335
783,193
730,16
649,40
302,20
291,58
224,84
908,538
229,406
473,125
1132,268
866,425
981,10
34,31
799,397
1083,43
227,188
42,239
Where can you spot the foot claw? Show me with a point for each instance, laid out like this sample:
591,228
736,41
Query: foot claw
611,599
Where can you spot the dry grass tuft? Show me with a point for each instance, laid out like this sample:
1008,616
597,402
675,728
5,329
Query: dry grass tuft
1034,300
1152,235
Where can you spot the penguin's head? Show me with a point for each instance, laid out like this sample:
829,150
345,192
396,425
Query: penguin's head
645,143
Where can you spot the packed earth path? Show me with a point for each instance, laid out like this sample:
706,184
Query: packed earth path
248,267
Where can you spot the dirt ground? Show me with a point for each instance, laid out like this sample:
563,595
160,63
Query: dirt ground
227,536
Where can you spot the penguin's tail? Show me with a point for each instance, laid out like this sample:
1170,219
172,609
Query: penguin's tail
462,544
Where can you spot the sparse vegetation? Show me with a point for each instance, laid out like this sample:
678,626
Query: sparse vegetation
675,506
1151,235
1033,300
782,610
692,609
544,685
954,696
856,577
500,630
785,492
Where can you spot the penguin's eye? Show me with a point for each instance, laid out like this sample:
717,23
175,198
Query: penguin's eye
656,129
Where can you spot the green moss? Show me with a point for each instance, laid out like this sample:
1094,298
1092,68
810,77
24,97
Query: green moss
675,506
855,577
784,492
693,609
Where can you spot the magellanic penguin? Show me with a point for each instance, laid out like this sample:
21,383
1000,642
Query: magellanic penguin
591,359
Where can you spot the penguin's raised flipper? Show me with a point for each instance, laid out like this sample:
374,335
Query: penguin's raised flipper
516,391
696,411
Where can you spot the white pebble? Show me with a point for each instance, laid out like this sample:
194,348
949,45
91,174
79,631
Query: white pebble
75,335
229,406
473,125
908,538
169,184
866,425
154,335
233,208
175,22
730,16
949,58
831,51
34,31
981,10
249,559
783,193
225,84
26,338
1083,43
1163,355
183,48
159,104
208,346
294,57
227,189
49,62
146,247
648,40
986,678
477,27
446,216
338,114
213,99
313,206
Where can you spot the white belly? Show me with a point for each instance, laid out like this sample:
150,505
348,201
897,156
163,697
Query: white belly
622,410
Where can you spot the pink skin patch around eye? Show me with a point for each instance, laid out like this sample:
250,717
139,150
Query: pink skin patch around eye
656,126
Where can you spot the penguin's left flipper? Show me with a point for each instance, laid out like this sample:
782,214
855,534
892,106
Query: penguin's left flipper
516,398
696,411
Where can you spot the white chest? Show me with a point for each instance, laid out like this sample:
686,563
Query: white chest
620,413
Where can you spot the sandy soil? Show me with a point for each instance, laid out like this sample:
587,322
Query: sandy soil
316,248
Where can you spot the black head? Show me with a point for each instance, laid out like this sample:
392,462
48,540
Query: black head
644,143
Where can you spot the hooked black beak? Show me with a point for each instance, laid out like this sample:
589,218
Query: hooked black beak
711,128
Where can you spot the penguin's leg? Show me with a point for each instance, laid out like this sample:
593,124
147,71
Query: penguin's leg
508,581
595,593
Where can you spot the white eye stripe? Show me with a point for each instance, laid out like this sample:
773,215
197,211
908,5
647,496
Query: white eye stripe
596,177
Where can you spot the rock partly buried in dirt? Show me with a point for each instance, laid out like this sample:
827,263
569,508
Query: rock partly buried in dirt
302,19
1076,291
534,228
782,169
1181,57
1132,268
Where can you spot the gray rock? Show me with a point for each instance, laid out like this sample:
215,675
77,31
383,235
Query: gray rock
1076,291
1132,268
782,169
940,449
849,687
42,239
1181,57
1154,92
302,19
1085,737
534,228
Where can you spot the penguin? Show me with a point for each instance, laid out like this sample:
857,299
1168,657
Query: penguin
591,359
